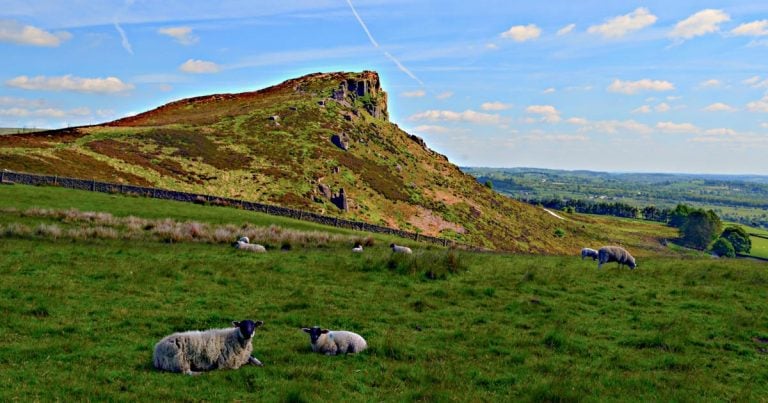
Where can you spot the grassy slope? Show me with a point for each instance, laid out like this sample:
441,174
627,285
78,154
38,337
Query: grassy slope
81,318
227,145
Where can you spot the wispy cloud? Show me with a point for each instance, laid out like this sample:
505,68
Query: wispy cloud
712,83
182,35
566,30
634,87
754,28
199,67
619,26
495,106
70,83
14,32
126,44
720,107
389,56
414,94
683,128
444,95
761,105
702,23
468,115
522,33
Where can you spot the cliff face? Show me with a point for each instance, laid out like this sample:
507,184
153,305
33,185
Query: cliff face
322,142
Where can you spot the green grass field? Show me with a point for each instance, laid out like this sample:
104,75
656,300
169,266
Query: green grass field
80,319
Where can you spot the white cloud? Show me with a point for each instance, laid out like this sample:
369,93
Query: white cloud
126,44
70,83
712,83
183,35
444,95
662,107
633,87
468,115
578,121
566,30
720,132
555,137
671,127
13,32
764,125
522,33
760,105
549,90
642,109
619,26
548,113
701,23
44,112
755,82
495,106
414,94
431,129
615,126
199,67
754,28
720,107
22,102
491,46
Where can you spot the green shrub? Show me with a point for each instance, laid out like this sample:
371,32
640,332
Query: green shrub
723,247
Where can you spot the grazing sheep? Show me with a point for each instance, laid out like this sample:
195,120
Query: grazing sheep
334,342
358,248
587,252
615,254
400,249
243,244
194,351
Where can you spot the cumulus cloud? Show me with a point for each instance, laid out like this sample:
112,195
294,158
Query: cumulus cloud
566,30
547,113
495,106
760,105
702,23
720,107
431,129
642,109
70,83
671,127
522,33
414,94
754,28
578,121
468,116
619,26
756,82
710,83
14,32
634,87
182,35
194,66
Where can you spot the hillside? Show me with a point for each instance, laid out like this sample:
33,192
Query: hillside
322,143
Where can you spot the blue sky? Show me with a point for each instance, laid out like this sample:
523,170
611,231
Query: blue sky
652,86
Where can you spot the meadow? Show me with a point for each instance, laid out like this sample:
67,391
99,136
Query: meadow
81,317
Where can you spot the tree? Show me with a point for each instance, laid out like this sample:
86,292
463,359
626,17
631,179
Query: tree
679,215
700,229
739,238
723,247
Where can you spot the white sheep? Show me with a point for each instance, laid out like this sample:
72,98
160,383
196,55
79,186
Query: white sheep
244,244
358,248
194,351
588,252
400,249
334,342
615,254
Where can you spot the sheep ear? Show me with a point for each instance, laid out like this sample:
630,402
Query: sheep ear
306,330
324,331
235,323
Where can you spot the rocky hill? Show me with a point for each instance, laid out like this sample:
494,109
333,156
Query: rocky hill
322,143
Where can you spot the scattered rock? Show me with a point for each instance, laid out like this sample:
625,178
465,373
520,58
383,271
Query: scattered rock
324,190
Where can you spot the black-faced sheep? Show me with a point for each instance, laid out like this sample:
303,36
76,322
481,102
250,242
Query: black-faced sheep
617,254
333,342
194,351
400,249
588,252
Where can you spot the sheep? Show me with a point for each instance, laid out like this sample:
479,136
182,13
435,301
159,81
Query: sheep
615,254
588,252
194,351
358,248
334,342
400,249
244,244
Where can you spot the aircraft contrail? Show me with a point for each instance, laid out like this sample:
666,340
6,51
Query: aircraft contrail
376,45
125,43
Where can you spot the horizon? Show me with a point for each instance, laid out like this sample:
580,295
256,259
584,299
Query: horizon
664,88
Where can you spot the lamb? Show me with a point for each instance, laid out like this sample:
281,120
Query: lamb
615,254
358,248
194,351
588,252
244,244
334,342
400,249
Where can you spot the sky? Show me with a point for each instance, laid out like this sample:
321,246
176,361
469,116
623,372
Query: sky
611,85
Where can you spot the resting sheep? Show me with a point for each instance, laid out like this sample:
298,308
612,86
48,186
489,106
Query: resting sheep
358,248
400,249
588,252
194,351
333,342
244,244
615,254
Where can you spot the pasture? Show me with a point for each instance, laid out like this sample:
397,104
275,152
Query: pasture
81,316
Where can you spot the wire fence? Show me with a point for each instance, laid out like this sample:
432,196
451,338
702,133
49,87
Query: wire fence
156,193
